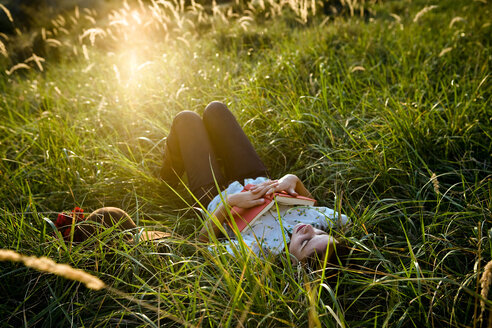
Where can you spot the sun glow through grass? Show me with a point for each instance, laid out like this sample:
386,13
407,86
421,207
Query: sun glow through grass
382,109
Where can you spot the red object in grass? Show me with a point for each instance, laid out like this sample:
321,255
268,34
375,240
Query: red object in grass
64,221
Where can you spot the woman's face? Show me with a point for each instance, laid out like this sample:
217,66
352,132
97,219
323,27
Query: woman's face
307,241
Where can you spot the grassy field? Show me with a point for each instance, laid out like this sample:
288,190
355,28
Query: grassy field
383,109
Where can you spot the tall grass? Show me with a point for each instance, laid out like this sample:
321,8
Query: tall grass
385,116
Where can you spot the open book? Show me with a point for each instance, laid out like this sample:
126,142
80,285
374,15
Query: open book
246,216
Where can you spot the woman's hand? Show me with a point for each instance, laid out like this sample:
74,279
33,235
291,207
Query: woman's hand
288,183
253,197
268,187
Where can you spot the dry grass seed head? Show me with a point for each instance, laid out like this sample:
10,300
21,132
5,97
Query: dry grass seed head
423,12
435,183
45,264
485,282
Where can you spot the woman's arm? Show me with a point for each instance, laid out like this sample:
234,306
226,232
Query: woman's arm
220,214
242,199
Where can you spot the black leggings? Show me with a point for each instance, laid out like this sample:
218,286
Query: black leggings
211,149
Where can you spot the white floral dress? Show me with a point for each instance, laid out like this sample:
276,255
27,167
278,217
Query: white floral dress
265,236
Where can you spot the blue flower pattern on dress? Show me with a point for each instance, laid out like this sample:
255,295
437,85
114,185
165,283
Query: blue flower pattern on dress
267,229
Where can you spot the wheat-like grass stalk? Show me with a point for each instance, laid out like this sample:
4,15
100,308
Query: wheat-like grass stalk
45,264
3,49
445,51
485,282
36,59
16,67
435,183
455,20
423,12
7,12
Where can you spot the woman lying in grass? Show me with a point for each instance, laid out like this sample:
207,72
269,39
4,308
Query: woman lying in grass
214,151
